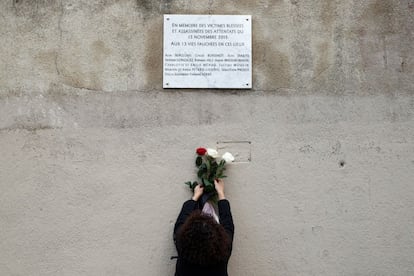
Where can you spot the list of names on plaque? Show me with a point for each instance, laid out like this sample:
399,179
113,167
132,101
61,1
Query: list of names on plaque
207,51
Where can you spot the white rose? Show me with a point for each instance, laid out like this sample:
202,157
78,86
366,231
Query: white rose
213,153
228,157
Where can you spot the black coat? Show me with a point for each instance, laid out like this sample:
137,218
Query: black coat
185,269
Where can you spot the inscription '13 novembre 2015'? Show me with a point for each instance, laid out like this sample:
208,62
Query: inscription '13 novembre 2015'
207,51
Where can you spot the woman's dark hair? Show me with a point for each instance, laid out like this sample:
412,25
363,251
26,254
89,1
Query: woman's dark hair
202,241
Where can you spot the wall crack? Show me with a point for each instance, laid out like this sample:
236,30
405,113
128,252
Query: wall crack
60,31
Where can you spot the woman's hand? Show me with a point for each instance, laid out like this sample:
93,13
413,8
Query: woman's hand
198,192
219,185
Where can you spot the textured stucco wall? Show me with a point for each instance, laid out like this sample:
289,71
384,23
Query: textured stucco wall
93,152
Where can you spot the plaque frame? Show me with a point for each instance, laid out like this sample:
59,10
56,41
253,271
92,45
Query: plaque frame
207,51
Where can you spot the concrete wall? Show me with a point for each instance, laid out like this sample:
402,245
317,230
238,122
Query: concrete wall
93,152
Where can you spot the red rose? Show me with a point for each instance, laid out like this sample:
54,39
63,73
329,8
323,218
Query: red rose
201,151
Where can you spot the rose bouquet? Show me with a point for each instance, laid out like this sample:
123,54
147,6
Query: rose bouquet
210,167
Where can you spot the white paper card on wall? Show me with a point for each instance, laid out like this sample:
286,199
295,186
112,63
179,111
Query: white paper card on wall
207,51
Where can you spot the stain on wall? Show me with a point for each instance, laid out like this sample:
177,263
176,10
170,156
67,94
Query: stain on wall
384,43
153,58
328,12
278,69
323,62
148,8
381,16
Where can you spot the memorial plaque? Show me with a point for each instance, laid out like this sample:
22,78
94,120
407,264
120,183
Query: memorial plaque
207,51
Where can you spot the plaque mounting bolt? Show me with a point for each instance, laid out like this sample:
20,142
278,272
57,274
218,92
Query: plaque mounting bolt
167,83
168,18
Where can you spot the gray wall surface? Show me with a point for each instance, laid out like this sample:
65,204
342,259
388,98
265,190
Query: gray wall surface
94,153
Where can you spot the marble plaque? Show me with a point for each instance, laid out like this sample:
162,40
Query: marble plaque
207,51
